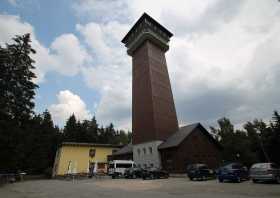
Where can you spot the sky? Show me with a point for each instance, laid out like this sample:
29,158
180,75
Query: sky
223,59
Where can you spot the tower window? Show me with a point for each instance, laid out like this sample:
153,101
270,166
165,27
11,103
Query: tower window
144,151
139,151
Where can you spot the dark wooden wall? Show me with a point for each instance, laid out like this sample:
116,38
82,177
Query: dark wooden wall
153,110
196,148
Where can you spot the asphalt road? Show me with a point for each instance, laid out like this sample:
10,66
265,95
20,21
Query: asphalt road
108,188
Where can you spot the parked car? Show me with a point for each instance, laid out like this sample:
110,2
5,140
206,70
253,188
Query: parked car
233,172
199,171
133,173
117,167
265,172
154,173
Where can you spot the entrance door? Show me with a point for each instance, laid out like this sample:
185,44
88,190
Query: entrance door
91,168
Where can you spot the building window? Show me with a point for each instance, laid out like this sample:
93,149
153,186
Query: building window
139,151
92,152
144,151
151,165
151,150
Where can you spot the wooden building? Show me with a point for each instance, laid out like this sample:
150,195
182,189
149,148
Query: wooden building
125,153
191,144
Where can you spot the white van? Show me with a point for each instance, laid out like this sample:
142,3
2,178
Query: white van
117,167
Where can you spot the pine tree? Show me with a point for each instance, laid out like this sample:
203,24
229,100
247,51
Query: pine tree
92,130
17,90
70,129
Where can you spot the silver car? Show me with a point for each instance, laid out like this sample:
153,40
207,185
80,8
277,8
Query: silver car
265,172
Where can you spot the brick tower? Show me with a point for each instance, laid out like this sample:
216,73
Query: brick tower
154,116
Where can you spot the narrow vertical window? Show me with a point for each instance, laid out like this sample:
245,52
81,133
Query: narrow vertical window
151,150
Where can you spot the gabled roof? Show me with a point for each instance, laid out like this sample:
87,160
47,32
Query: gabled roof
177,138
124,150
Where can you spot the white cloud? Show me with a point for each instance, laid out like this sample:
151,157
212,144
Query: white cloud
223,58
104,40
69,103
12,2
111,74
11,25
227,69
102,11
66,55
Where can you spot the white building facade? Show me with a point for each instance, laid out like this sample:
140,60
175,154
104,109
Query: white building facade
146,154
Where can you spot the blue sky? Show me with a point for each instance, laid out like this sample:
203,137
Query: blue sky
51,19
223,58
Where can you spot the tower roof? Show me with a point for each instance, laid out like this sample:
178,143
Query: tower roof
146,28
140,20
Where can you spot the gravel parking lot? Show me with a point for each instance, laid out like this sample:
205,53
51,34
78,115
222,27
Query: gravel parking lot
172,187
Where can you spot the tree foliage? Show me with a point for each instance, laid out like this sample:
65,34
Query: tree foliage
17,90
257,142
89,131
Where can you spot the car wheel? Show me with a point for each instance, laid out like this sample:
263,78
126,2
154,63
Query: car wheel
255,181
238,179
191,178
203,178
278,179
221,180
152,176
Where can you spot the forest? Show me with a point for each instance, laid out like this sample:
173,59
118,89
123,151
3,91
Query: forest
28,140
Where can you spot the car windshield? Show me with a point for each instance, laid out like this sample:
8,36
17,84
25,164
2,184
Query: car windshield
261,166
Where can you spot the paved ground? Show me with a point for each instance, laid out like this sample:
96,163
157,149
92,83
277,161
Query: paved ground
108,188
